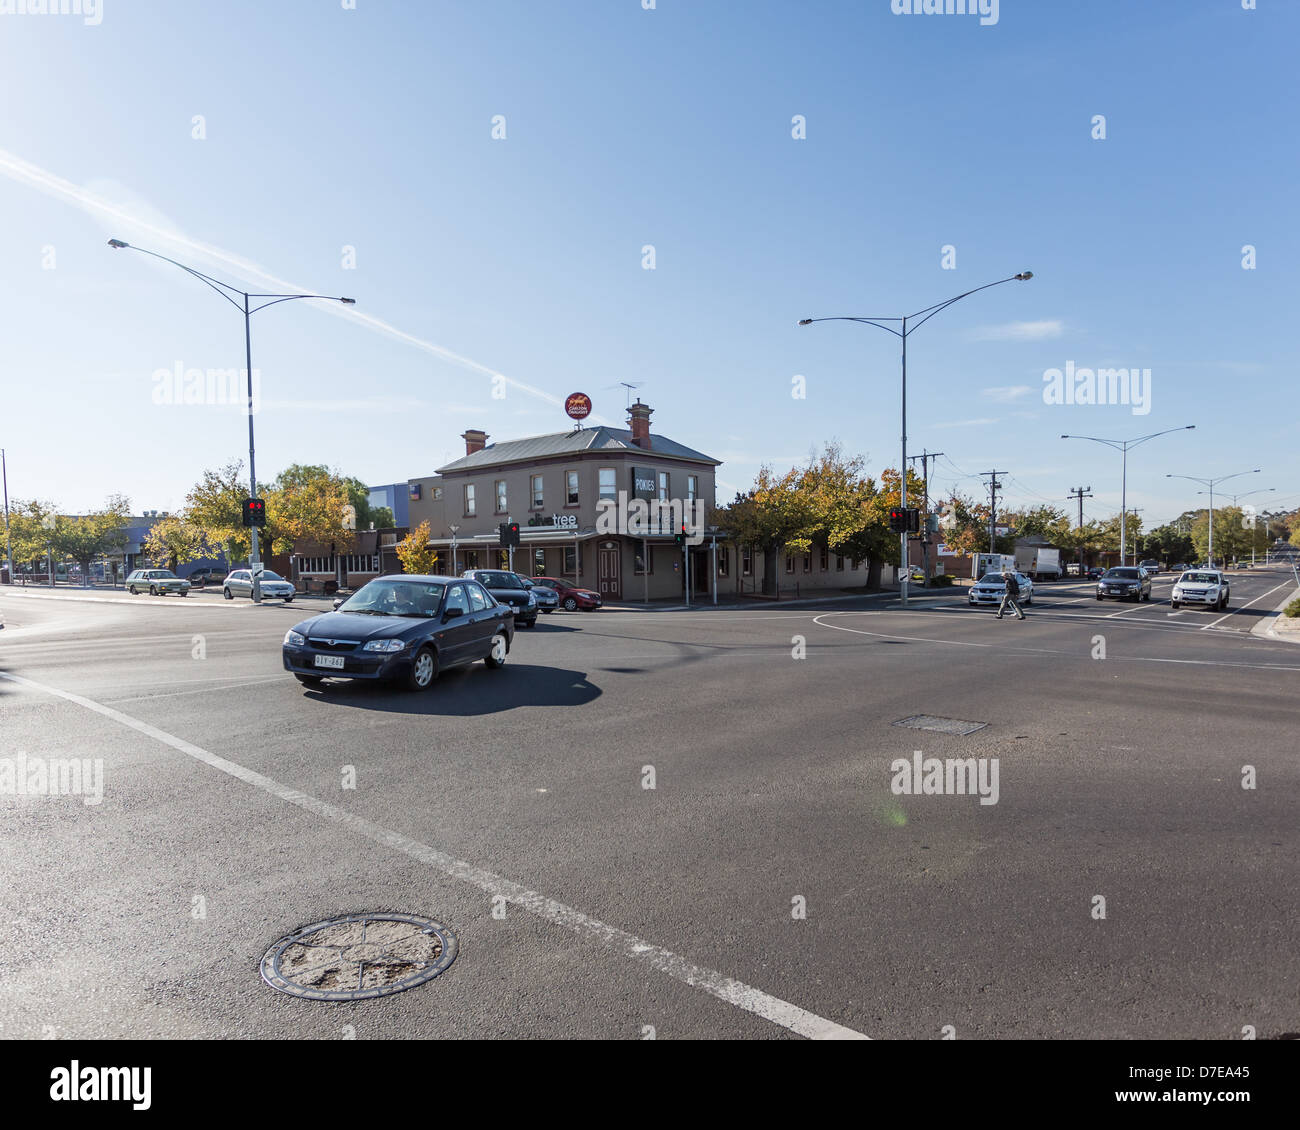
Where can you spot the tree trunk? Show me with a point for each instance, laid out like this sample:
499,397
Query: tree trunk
771,561
873,572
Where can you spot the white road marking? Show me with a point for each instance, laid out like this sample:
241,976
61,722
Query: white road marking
202,690
1285,584
726,989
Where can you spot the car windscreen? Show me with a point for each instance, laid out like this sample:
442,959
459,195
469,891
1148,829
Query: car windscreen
1199,579
497,580
162,575
267,575
1123,574
396,598
993,579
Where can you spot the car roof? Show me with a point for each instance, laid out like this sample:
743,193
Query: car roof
443,580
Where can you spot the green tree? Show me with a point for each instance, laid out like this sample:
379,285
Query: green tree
214,506
308,502
174,539
83,538
768,516
30,533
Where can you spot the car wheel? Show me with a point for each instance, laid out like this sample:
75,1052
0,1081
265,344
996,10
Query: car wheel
424,669
547,611
1099,596
570,605
500,649
530,623
131,589
309,680
185,592
153,590
1175,605
226,593
288,600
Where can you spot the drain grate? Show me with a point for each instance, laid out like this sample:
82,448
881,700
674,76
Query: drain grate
942,725
358,957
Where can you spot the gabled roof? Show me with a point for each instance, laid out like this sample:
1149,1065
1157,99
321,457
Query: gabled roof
613,440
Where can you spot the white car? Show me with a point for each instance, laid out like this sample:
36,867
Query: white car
1207,588
990,587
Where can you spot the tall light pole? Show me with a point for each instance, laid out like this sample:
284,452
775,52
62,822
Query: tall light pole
229,293
920,318
1123,445
9,552
1211,483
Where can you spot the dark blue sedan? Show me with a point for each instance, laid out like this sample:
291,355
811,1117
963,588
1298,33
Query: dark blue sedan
404,628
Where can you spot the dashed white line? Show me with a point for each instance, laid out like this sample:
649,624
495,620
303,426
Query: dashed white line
733,992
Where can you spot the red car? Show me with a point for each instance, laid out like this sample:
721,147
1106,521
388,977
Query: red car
571,597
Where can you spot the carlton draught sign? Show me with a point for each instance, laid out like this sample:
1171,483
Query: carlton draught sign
577,405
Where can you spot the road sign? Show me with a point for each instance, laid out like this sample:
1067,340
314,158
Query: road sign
257,568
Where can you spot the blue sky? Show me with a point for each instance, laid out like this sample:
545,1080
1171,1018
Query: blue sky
372,128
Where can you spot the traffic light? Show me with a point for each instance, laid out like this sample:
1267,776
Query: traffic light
508,534
680,536
898,519
513,531
255,512
913,519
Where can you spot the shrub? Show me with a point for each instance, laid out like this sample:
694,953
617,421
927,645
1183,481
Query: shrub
943,580
1292,609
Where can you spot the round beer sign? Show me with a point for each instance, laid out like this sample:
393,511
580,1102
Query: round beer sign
578,405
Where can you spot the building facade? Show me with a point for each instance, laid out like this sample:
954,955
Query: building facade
553,485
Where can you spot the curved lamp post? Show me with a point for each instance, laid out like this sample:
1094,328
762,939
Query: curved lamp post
919,319
1211,483
229,293
1123,445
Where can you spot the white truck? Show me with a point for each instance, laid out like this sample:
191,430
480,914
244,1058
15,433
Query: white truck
1039,562
992,563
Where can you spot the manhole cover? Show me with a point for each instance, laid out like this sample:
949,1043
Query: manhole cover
943,725
358,957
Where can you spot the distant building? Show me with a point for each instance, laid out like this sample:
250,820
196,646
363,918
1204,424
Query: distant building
394,496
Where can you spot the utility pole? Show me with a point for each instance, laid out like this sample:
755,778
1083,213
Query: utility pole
1081,493
1123,523
9,553
925,458
994,486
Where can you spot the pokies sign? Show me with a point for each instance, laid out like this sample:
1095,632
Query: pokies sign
577,405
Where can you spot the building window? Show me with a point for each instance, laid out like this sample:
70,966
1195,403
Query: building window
570,488
640,562
471,507
825,559
501,496
839,563
692,487
471,559
539,562
807,562
747,561
537,492
789,562
437,493
571,556
724,562
608,487
663,485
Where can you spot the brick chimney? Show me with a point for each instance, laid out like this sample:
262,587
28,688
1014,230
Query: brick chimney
638,419
475,440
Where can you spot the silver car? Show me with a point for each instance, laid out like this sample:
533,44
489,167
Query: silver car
240,583
548,600
990,587
157,582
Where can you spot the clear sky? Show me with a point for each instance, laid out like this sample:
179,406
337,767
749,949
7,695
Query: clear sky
371,127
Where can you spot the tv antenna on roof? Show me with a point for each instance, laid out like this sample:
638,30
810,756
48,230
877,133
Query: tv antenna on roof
629,385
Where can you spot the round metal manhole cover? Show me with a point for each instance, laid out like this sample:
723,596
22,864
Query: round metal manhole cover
359,957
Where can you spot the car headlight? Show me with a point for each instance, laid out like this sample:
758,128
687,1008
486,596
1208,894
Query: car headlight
532,600
293,639
384,645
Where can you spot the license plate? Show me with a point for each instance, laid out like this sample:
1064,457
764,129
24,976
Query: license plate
334,661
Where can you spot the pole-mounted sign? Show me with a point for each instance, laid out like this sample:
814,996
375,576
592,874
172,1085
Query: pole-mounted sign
577,405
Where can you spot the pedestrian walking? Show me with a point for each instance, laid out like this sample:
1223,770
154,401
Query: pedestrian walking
1010,596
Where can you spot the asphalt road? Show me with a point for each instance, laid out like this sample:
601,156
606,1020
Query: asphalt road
1121,734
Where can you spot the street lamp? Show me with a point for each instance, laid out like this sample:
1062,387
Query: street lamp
227,292
1123,445
905,568
1211,484
454,531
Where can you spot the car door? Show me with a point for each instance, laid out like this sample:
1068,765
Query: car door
486,615
456,635
235,583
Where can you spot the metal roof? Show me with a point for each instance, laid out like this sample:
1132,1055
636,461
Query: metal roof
574,442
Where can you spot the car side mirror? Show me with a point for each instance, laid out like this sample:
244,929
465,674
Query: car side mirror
338,601
452,613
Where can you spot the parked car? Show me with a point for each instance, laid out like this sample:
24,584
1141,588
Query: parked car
1152,567
158,582
1180,567
990,587
1095,573
570,596
1207,588
1124,582
405,628
508,589
202,576
240,583
548,600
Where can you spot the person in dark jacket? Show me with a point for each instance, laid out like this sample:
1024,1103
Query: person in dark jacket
1010,596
